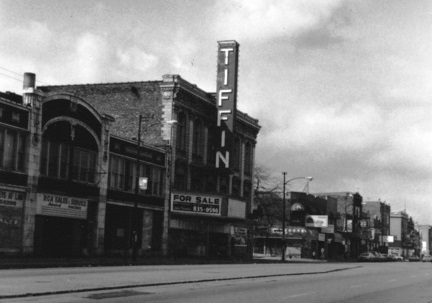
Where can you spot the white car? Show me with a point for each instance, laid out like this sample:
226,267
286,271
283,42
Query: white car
397,258
427,259
366,256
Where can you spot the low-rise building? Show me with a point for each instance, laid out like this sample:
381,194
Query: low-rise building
376,226
349,216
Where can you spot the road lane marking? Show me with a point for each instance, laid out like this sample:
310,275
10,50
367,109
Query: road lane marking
356,286
301,295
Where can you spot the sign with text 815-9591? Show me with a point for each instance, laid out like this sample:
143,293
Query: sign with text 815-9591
199,204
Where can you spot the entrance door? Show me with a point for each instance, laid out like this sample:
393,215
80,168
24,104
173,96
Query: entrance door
59,237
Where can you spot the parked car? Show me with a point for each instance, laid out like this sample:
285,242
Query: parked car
366,257
387,257
379,257
414,259
395,258
427,259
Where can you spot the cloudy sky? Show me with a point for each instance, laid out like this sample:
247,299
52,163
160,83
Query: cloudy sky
342,89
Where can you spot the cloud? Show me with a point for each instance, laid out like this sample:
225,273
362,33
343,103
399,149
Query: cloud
90,57
331,128
183,51
408,152
135,58
264,19
18,39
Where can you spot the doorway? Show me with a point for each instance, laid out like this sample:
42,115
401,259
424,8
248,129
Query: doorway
59,237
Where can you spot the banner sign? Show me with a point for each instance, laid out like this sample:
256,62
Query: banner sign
328,230
388,239
202,204
316,221
61,206
11,198
226,90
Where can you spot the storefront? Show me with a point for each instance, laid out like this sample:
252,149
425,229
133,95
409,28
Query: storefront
120,220
207,226
61,225
11,209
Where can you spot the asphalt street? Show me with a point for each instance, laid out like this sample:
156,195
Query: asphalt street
323,282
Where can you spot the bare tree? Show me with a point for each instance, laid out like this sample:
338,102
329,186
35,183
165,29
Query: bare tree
267,200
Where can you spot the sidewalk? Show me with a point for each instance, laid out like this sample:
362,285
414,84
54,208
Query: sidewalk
43,262
278,258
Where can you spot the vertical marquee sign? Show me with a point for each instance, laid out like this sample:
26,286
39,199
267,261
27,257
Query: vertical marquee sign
226,89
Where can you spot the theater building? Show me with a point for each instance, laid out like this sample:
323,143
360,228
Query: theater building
71,156
207,205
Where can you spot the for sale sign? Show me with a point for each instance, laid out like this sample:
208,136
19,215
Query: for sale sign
201,204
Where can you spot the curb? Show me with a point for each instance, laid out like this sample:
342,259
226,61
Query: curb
62,292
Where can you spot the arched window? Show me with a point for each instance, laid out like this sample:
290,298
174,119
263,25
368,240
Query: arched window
68,152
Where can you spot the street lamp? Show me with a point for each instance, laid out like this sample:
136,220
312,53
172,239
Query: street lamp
284,209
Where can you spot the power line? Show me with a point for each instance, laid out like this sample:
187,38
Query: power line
18,74
10,71
10,77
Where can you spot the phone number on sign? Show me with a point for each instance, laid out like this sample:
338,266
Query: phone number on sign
205,209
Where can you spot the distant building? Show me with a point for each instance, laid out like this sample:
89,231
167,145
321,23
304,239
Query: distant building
406,237
376,227
425,232
348,223
309,231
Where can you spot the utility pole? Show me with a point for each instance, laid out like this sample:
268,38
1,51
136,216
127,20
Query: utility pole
283,244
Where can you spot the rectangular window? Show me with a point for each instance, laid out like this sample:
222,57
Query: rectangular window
128,172
146,171
112,171
15,117
91,167
21,152
64,161
83,166
12,149
156,190
54,159
53,165
44,157
84,163
117,172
